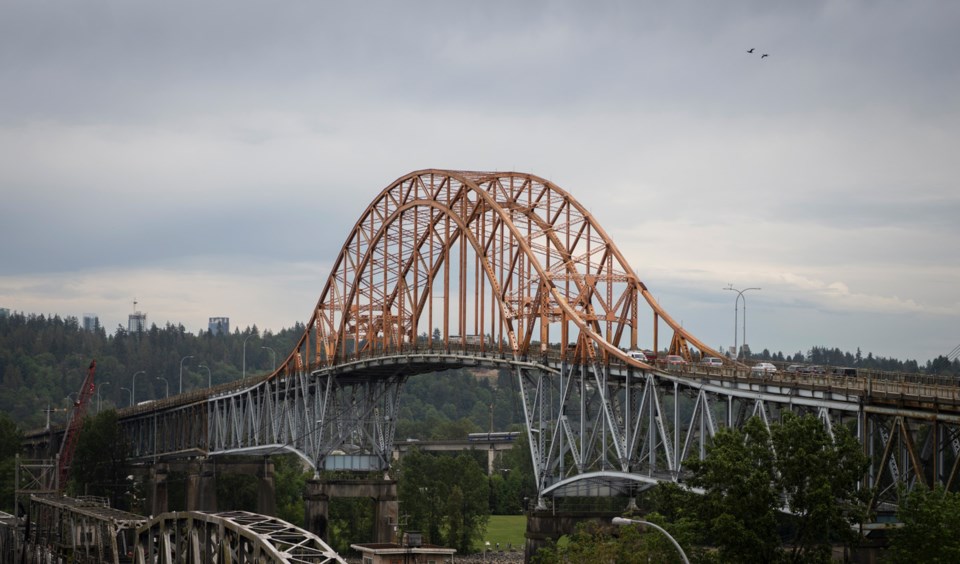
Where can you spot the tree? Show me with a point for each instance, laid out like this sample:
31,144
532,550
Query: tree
290,478
739,504
454,430
100,462
444,497
818,476
515,483
931,519
596,543
751,474
236,491
11,438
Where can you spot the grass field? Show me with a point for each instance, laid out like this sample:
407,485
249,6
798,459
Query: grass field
506,530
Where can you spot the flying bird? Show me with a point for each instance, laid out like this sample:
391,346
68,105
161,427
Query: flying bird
750,50
764,55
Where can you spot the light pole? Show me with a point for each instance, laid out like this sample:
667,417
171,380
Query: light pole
209,377
736,303
181,371
244,374
625,521
166,386
131,394
100,387
274,356
134,387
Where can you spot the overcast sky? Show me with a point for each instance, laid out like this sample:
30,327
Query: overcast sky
209,158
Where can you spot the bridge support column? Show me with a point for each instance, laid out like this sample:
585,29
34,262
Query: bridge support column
546,525
540,530
316,508
202,486
383,493
385,513
266,490
158,500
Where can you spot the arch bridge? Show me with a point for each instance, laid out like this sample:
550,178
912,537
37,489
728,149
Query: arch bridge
457,269
88,530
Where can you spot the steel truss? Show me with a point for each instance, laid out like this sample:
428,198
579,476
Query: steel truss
317,416
341,418
193,537
599,430
86,530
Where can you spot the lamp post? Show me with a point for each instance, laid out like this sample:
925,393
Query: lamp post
100,387
274,356
736,303
166,386
181,371
625,521
131,394
134,386
209,377
244,374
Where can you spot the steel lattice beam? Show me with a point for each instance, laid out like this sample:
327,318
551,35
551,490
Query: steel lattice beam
233,536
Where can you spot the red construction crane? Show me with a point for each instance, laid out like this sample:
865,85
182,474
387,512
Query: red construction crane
69,444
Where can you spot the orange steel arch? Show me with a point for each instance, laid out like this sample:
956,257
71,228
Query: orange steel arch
500,261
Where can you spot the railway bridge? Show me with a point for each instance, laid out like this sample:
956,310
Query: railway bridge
458,269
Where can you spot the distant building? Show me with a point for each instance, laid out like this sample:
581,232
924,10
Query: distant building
219,325
91,322
4,312
137,322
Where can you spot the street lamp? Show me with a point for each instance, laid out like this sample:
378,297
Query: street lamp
100,387
131,394
244,375
209,377
736,302
181,371
134,391
274,356
166,386
625,521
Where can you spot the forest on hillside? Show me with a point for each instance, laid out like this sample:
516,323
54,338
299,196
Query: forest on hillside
43,362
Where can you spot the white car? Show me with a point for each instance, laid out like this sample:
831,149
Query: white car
712,362
763,368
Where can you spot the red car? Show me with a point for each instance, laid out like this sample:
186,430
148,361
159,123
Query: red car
675,360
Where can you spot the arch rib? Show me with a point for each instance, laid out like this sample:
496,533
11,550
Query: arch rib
540,258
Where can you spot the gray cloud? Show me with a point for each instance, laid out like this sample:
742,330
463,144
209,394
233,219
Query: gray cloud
165,138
